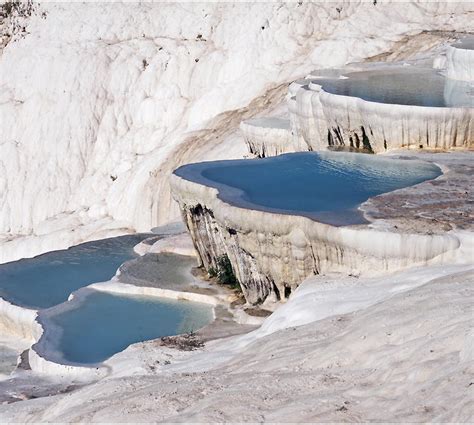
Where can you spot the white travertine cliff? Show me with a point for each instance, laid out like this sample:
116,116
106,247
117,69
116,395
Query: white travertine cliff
267,136
100,101
324,115
460,60
380,127
271,253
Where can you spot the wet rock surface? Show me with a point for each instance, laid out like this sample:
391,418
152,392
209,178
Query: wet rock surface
168,271
437,206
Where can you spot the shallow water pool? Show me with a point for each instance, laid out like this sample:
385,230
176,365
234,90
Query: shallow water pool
326,187
466,43
105,324
403,86
49,279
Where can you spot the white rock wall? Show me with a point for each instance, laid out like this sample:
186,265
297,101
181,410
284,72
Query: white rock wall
97,98
18,321
271,254
267,136
380,127
460,63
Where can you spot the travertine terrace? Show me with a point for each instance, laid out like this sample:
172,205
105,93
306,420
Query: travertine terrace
273,253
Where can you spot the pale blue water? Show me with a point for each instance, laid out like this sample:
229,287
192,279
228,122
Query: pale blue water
49,279
326,187
465,43
106,324
403,86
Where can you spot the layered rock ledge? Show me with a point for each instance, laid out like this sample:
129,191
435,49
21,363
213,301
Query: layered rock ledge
272,254
267,136
376,108
460,60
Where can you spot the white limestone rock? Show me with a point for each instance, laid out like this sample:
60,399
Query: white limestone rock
99,101
398,349
460,60
380,127
267,136
271,253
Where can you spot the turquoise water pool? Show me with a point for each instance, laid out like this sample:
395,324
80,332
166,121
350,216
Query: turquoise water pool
106,324
101,324
326,187
49,279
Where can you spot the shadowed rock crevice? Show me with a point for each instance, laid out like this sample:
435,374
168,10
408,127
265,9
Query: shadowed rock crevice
214,241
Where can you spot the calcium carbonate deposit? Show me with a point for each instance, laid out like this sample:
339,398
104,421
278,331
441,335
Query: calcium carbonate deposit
309,287
94,120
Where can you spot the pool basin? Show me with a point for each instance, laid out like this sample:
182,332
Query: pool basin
49,279
326,187
97,325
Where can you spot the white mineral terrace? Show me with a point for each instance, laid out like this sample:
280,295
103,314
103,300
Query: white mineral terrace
372,107
43,359
270,134
376,108
35,327
37,331
460,60
273,253
362,322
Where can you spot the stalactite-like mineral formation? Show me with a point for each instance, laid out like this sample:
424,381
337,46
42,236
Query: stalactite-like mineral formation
271,254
